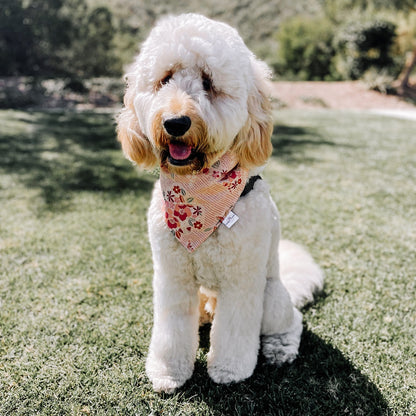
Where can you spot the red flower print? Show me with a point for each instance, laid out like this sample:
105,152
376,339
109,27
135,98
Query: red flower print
182,212
176,189
172,223
205,171
178,233
198,225
168,211
197,211
170,197
228,175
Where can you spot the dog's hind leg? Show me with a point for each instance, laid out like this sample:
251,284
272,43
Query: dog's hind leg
281,326
207,303
297,279
282,323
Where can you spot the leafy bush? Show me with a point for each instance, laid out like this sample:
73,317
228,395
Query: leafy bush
377,80
305,48
364,45
314,48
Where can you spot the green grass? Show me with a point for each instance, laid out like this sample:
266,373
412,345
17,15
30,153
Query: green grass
75,276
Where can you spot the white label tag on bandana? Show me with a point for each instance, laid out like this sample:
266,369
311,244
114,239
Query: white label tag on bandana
230,219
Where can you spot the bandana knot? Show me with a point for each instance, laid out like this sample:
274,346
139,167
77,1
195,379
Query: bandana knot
196,204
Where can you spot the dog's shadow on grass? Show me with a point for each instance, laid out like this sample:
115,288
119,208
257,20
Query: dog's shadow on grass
320,382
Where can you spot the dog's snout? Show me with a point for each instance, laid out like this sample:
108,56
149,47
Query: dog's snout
177,126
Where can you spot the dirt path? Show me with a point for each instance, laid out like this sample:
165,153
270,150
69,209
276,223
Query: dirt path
347,95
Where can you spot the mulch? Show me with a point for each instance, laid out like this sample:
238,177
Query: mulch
345,95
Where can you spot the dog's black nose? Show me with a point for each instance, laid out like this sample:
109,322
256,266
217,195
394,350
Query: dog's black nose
177,126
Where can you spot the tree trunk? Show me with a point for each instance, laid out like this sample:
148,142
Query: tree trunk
404,83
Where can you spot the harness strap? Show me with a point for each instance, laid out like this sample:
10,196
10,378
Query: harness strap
250,185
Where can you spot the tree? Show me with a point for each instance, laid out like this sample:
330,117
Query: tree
31,32
409,6
56,38
405,77
99,34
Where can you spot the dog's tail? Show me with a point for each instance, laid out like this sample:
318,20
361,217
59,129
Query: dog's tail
299,273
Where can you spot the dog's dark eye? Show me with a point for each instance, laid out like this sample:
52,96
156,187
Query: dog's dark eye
166,79
206,83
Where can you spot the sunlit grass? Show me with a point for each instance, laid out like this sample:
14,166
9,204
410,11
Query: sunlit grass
75,276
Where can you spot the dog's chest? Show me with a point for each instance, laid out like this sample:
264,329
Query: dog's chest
214,260
232,253
229,254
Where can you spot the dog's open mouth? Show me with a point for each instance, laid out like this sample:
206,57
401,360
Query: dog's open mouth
180,154
182,158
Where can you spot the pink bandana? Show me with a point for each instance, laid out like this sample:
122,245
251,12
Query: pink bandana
195,205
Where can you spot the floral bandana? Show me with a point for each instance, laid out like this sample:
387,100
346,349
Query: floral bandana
196,204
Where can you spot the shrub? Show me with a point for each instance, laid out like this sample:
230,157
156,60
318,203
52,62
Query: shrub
305,48
20,92
364,45
378,80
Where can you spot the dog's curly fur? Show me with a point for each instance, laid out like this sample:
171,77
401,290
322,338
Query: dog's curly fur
196,67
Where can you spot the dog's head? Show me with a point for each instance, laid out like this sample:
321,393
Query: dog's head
194,92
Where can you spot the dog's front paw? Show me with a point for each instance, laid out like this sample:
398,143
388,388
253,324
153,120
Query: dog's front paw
230,372
166,384
165,378
223,375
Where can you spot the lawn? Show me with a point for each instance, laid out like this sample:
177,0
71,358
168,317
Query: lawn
75,277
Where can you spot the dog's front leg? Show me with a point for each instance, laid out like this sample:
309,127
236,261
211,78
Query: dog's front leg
172,351
235,333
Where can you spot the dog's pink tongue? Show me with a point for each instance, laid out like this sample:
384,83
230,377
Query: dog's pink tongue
180,151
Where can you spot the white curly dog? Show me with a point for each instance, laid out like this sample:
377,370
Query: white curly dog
197,106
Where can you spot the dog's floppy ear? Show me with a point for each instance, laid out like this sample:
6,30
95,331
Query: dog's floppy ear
136,146
252,144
